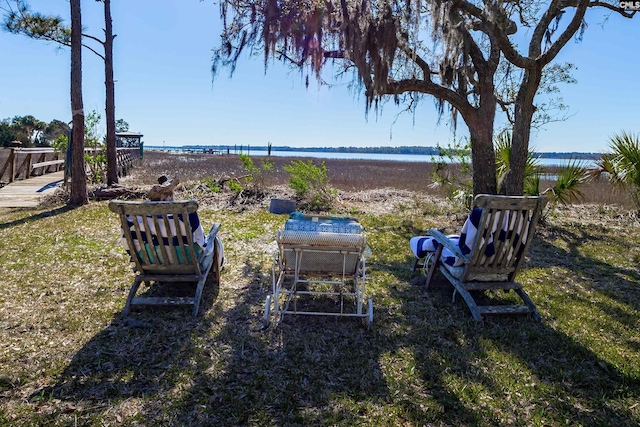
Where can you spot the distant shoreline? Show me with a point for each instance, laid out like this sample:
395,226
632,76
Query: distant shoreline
404,150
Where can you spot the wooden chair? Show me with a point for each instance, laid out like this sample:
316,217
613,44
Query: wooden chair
506,227
159,238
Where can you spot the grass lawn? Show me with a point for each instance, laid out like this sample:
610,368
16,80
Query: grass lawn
68,358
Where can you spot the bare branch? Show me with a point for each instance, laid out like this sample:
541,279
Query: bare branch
624,13
568,33
89,36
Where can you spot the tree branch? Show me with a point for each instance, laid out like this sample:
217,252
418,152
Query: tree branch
535,45
456,100
89,36
411,53
568,33
504,105
622,12
490,27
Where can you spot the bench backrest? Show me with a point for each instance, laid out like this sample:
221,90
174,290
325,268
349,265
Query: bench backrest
505,230
157,235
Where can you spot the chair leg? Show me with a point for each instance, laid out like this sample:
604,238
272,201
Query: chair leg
529,303
198,296
132,293
432,263
210,261
217,265
415,265
471,303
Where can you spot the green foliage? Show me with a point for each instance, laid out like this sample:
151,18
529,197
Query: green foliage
20,20
254,181
121,126
211,184
27,129
235,187
459,186
622,165
96,166
7,133
311,185
502,148
96,160
91,129
54,130
569,179
456,181
30,131
60,144
568,182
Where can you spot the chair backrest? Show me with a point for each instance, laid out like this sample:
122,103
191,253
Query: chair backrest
321,252
506,228
158,236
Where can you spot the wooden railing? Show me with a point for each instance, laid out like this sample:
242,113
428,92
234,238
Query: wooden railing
22,163
25,162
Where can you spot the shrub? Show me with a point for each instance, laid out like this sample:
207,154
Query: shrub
311,185
60,144
456,182
211,184
254,181
235,187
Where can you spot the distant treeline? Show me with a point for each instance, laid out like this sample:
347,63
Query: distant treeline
429,151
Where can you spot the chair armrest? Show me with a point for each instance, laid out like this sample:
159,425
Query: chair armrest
210,241
213,232
444,241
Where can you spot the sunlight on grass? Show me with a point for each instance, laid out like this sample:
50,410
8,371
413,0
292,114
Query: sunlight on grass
67,356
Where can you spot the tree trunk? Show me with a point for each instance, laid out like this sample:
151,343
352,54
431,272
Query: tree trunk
78,195
513,183
483,158
110,108
480,124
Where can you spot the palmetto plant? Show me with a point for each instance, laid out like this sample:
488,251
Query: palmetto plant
569,178
532,169
622,165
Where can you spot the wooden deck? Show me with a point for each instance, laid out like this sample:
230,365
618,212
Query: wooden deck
27,192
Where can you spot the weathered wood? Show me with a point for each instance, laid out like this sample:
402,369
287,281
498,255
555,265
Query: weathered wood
47,164
163,301
504,309
28,192
162,231
40,150
114,192
514,218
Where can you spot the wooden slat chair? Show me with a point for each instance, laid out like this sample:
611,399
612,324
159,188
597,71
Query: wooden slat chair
160,241
506,227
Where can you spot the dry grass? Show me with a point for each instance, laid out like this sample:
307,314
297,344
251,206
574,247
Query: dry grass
68,358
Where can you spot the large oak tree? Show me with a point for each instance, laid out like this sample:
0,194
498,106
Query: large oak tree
458,51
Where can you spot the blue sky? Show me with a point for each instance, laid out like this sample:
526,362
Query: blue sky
164,87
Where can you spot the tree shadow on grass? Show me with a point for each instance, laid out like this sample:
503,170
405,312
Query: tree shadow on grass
304,371
132,359
38,216
527,370
163,367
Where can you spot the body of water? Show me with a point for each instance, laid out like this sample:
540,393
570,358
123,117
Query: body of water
366,156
